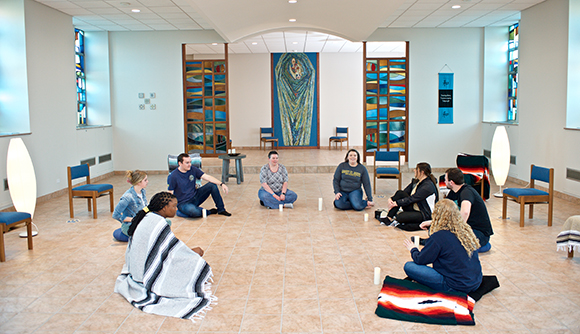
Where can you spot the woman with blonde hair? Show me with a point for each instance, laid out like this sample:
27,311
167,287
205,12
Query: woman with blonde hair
451,248
130,203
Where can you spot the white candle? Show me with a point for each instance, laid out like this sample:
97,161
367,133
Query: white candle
281,207
416,241
204,213
320,204
366,217
377,275
233,151
230,151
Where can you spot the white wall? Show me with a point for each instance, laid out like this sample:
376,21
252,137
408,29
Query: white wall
540,137
429,51
54,142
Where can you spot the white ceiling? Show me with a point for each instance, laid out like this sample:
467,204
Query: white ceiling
321,25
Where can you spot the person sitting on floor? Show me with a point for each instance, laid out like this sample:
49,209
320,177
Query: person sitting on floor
471,205
347,181
274,180
452,249
417,200
130,203
161,274
181,183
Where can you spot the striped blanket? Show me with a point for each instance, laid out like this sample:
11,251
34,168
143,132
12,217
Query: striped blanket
569,238
162,275
410,301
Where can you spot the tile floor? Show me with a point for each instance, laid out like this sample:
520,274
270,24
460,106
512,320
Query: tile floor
301,270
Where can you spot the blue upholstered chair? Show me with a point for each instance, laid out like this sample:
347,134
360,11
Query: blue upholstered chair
532,195
90,191
341,136
9,218
268,138
387,172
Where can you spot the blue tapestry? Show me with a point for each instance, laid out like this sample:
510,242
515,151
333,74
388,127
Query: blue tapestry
295,95
445,98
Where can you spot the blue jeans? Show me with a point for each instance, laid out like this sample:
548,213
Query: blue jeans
273,203
351,201
426,276
191,208
483,241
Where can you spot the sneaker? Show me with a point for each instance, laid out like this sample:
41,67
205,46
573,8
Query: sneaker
288,205
262,203
212,211
224,213
394,223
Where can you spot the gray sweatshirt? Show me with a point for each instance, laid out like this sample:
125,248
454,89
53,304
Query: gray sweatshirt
348,178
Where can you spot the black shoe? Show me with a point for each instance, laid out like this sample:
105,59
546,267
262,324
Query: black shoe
213,211
262,203
224,213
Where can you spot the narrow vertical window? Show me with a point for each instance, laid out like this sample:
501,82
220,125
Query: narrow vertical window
81,80
513,73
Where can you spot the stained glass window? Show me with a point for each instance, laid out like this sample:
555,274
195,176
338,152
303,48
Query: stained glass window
513,72
81,78
205,107
386,105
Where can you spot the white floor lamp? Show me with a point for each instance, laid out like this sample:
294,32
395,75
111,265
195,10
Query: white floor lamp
21,179
500,157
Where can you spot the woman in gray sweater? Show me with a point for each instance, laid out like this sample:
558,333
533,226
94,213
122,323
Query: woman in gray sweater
348,178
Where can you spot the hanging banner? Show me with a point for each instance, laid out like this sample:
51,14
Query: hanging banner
445,98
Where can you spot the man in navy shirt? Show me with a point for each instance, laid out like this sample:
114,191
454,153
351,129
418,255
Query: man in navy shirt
181,183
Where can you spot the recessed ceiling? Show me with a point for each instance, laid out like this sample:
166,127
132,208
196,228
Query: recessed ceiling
321,25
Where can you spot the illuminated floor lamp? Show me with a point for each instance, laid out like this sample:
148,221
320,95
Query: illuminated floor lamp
21,179
500,157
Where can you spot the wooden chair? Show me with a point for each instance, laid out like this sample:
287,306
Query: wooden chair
88,191
532,195
269,138
9,218
387,172
339,138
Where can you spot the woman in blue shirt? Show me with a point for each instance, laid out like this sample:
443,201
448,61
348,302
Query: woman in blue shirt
451,248
130,203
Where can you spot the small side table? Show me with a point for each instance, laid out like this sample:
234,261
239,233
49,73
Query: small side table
239,175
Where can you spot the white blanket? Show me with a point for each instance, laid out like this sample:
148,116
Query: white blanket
162,275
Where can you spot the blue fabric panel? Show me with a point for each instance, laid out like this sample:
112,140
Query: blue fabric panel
9,218
541,173
387,156
267,130
79,171
94,187
517,192
387,170
341,130
337,137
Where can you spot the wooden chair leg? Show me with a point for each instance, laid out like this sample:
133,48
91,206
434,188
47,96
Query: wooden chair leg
329,143
29,231
531,211
400,181
111,200
70,207
522,212
2,251
570,252
550,212
504,207
94,206
89,204
374,184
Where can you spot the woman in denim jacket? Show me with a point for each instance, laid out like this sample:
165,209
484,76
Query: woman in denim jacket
130,203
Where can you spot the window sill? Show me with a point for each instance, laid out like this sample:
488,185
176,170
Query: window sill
502,123
87,127
14,134
572,129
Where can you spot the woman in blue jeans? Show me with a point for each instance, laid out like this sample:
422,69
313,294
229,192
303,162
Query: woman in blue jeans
130,203
274,180
348,178
451,248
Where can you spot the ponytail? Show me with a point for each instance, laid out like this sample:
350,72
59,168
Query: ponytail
158,202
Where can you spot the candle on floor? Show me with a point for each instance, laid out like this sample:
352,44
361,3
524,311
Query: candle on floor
366,217
377,275
416,241
320,204
204,213
281,207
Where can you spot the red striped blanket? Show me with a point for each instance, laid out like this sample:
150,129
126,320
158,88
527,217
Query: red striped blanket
410,301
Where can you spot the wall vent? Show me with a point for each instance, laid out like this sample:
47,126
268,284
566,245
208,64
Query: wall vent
573,174
487,153
105,158
90,161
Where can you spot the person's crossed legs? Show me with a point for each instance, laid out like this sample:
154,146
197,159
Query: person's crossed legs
351,201
192,207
